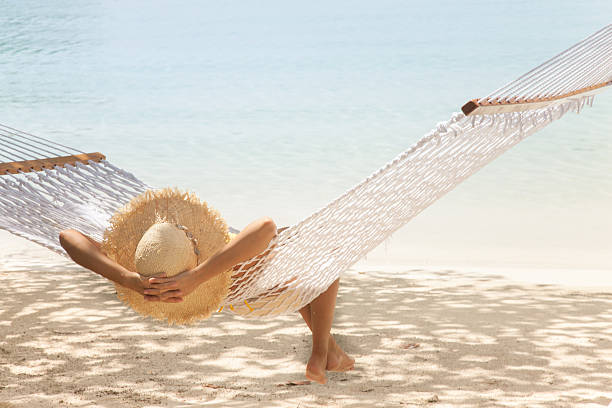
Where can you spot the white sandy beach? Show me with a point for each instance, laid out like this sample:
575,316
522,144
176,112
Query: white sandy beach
497,295
420,338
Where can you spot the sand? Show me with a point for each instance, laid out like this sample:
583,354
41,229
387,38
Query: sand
420,338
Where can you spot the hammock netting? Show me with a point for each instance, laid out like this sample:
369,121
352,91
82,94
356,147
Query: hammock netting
303,260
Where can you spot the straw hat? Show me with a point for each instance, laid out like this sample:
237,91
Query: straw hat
168,231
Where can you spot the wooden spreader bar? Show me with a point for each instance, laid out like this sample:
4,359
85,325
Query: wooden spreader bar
473,107
28,166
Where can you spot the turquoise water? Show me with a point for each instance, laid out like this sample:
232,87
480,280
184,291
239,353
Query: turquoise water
275,108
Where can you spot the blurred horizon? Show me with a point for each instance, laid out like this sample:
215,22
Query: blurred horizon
277,108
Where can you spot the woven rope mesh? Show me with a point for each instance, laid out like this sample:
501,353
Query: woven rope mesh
38,205
306,258
303,260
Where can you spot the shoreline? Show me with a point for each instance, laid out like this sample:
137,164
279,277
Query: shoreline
20,254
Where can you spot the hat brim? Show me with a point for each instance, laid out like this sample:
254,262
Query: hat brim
129,224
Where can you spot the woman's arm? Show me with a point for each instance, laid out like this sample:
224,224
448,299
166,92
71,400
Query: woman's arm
251,241
86,252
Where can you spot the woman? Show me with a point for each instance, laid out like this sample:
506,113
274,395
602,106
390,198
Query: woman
251,241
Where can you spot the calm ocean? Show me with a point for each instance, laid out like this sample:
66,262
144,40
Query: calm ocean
277,107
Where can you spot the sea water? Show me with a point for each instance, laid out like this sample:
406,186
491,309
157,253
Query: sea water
277,107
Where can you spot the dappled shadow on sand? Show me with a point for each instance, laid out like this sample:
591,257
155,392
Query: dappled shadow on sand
470,340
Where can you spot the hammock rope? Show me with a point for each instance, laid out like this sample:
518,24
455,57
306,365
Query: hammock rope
303,260
580,66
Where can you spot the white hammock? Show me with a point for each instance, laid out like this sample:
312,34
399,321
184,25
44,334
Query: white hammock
82,191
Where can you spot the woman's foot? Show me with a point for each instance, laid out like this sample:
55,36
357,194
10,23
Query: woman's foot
315,369
337,359
334,360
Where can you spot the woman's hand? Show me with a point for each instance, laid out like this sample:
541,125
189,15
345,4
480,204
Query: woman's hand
250,242
142,284
173,289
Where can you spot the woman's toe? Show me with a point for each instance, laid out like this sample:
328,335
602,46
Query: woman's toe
317,377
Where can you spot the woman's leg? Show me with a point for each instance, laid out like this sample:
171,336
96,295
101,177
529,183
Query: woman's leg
337,359
326,354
